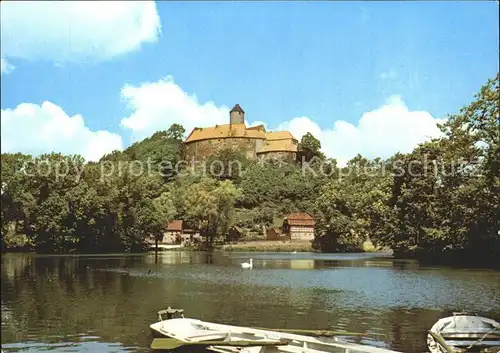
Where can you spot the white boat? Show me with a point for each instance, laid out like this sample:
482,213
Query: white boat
193,330
464,332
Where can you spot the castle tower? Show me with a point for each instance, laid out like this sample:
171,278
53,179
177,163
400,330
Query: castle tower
236,115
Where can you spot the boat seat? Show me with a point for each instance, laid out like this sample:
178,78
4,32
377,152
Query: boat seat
346,349
485,335
476,343
205,335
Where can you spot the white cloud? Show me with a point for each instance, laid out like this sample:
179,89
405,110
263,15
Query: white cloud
381,132
37,129
157,105
6,66
76,31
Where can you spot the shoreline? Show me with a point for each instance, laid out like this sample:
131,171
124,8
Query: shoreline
269,246
473,261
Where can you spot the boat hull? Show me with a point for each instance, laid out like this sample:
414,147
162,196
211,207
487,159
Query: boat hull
465,333
192,330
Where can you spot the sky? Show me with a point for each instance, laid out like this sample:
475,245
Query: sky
372,78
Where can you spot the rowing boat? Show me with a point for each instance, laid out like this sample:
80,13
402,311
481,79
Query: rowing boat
193,331
464,332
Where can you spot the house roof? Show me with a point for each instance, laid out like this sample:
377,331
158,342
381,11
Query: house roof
257,127
237,108
225,131
276,230
300,219
279,141
175,225
278,146
279,135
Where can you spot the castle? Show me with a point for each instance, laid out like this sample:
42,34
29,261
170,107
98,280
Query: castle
255,142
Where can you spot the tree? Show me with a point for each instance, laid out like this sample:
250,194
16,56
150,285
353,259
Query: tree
164,213
158,154
176,132
201,205
351,208
309,148
227,164
226,195
445,200
211,204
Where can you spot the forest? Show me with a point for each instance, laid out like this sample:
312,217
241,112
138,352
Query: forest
440,202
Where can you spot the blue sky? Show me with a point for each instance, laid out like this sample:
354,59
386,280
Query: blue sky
294,65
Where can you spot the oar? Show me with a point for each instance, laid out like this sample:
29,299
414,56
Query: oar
319,333
172,343
441,341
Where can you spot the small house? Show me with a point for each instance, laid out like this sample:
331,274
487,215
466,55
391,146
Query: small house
191,235
174,232
235,233
274,233
299,226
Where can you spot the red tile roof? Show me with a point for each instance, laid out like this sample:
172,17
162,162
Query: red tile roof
300,219
175,225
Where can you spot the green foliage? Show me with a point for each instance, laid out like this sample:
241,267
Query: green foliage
446,203
442,200
282,187
161,153
351,207
309,148
176,132
210,203
227,164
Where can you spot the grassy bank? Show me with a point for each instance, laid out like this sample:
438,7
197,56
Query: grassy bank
270,246
280,246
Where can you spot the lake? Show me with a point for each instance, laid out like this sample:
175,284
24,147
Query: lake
105,303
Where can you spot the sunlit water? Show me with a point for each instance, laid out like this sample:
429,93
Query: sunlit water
106,303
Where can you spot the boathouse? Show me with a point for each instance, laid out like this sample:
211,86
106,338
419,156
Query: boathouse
299,226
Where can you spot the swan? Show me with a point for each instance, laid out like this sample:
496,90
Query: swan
294,252
247,264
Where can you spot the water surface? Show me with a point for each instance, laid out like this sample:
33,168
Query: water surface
105,303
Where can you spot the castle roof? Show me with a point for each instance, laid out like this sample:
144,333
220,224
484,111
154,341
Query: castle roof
279,135
279,141
226,131
257,127
237,108
278,146
276,141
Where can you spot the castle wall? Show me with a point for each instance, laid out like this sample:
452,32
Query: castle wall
202,150
282,155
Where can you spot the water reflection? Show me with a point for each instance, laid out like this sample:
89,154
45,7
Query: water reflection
105,303
304,261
